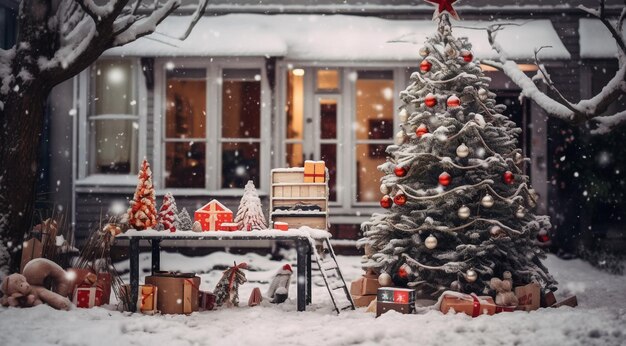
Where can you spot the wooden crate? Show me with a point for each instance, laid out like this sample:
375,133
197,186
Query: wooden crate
318,222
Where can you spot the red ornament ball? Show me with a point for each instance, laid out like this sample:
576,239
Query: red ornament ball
425,66
399,199
508,177
467,55
453,101
430,100
386,202
445,179
543,237
421,130
400,171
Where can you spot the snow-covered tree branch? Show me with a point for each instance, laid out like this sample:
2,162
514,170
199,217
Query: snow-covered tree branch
56,41
593,109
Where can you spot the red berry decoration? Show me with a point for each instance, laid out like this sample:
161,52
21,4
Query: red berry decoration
400,171
425,66
467,55
399,199
386,202
508,177
453,101
445,179
421,130
430,100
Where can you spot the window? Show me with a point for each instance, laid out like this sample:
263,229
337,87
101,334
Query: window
113,122
294,109
374,96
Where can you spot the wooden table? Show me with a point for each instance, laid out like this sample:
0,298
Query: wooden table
301,237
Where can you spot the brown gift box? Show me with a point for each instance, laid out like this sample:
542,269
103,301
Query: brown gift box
103,281
471,305
570,301
314,171
362,301
177,293
148,298
382,307
529,297
364,286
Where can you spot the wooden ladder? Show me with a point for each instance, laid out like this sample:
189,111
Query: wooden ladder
333,279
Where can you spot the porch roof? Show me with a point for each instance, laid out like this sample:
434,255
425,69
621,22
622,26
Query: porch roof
596,41
332,38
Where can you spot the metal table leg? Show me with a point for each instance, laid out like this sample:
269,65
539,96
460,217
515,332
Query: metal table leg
156,255
309,281
134,272
301,251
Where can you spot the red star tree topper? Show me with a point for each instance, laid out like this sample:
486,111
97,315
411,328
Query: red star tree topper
142,211
444,6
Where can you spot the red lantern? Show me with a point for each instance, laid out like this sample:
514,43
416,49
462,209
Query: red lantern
453,101
425,66
430,100
467,55
399,199
386,202
508,177
421,130
400,171
445,179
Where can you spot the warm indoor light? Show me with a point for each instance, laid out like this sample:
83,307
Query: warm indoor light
298,72
115,75
169,65
523,67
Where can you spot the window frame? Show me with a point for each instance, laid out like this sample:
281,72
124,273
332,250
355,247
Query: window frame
213,135
86,87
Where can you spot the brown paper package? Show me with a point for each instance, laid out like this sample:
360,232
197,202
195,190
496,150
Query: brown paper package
176,295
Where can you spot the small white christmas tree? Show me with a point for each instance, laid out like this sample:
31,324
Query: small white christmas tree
168,214
250,213
184,221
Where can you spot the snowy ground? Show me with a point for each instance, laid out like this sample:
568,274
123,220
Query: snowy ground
599,320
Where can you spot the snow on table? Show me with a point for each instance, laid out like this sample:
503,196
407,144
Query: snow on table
599,320
302,232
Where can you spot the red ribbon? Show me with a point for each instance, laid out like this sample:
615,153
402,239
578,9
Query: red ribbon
234,269
476,310
314,175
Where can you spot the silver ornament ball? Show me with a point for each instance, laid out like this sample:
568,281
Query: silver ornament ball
430,242
450,51
487,201
471,275
464,212
424,51
462,151
495,231
384,280
518,158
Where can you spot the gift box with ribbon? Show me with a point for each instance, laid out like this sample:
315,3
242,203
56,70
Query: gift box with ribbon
87,296
229,226
470,304
314,171
401,300
87,277
177,293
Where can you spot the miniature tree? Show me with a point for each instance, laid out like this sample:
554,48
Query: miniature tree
227,289
168,214
184,220
142,212
250,213
460,206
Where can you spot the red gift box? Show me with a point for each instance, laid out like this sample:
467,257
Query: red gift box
213,215
206,300
283,226
230,226
88,296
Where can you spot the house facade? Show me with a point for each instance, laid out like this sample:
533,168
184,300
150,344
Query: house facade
262,86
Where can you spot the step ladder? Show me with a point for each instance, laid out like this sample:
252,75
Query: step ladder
326,263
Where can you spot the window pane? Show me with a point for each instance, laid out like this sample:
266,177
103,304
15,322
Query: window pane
241,104
368,157
114,88
327,79
374,105
295,105
294,155
240,163
184,164
186,103
329,156
115,146
328,118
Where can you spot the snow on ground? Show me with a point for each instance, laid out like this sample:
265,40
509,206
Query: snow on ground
599,320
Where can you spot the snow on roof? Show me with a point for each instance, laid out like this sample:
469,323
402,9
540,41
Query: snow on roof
596,40
332,38
205,208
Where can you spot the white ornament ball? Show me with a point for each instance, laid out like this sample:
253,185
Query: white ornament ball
462,151
430,242
455,286
471,275
518,158
384,280
495,231
450,51
403,116
487,201
464,212
520,213
483,94
424,51
384,189
399,139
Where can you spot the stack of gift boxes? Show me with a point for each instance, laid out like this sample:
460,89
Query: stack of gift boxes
364,289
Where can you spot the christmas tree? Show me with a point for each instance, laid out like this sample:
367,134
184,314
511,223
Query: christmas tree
142,211
460,207
184,220
250,213
168,214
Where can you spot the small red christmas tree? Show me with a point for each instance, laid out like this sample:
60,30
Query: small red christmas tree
142,212
168,214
